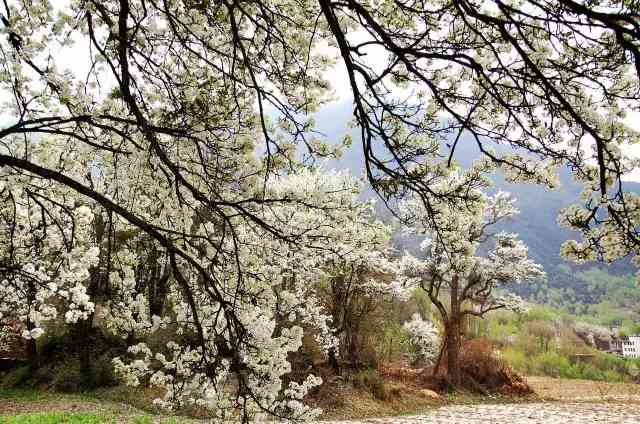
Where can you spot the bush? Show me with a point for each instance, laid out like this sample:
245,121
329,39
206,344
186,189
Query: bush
17,377
393,342
612,376
552,364
590,372
601,366
54,347
517,359
67,377
371,381
102,373
483,370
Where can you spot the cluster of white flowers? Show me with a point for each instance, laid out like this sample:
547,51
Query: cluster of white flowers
424,336
247,352
47,246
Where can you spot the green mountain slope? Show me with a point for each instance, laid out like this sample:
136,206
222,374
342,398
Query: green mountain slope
578,288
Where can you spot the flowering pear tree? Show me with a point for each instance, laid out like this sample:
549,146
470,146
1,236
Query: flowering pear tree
453,265
221,358
159,132
359,276
558,82
275,291
554,80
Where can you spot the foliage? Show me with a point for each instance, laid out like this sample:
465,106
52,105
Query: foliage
454,265
371,381
17,377
484,370
451,249
539,343
357,284
595,294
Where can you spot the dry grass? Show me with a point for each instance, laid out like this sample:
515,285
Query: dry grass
349,403
27,401
562,389
484,372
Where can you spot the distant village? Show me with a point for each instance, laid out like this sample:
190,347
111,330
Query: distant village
627,346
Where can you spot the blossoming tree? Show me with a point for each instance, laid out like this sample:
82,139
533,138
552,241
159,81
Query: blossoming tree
454,265
359,278
216,355
275,292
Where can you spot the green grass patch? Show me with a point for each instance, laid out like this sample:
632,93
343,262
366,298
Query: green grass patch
26,395
57,418
81,418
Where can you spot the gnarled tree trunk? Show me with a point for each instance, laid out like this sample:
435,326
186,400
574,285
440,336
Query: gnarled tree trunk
452,329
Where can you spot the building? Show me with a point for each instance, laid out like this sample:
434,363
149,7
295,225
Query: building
615,345
631,346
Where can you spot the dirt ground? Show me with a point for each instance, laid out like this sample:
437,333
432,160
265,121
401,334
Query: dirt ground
352,404
584,390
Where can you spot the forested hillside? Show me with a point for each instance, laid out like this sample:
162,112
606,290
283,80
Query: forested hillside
582,289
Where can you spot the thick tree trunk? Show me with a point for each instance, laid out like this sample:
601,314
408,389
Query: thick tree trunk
436,367
453,351
32,349
453,335
82,335
333,361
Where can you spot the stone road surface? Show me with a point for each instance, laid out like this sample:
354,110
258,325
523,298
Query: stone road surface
521,413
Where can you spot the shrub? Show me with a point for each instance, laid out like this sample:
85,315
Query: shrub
551,364
612,376
43,375
371,381
53,347
483,370
102,373
17,377
517,359
393,342
67,377
363,352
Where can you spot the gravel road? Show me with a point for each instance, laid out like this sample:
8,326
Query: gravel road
521,413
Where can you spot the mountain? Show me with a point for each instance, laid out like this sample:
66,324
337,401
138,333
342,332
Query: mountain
567,283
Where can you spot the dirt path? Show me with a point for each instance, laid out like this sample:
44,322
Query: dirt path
520,413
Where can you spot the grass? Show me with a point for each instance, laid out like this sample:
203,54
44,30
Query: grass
114,405
32,395
57,418
360,404
79,418
563,389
